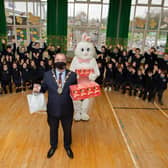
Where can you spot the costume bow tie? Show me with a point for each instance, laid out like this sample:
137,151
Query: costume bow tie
84,60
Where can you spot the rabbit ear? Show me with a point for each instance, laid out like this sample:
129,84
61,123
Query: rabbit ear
85,37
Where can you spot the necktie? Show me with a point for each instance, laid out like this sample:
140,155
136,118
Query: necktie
60,79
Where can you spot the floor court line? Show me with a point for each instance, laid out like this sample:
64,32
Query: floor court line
138,108
122,132
161,110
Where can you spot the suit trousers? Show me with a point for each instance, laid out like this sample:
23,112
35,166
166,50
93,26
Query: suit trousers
66,123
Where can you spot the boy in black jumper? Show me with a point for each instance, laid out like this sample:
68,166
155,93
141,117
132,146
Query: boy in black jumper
129,79
109,76
6,79
149,86
119,78
16,76
139,83
162,86
26,76
99,79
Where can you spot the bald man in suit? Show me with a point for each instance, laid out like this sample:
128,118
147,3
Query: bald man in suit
60,105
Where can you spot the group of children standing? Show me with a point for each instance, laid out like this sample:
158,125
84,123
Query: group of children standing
24,66
144,76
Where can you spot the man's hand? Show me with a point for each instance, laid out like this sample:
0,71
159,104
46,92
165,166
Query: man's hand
36,88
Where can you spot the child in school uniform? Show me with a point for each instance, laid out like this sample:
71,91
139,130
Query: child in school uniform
49,65
16,76
139,83
119,78
6,79
149,86
25,76
129,79
33,72
109,77
162,86
40,71
21,51
100,78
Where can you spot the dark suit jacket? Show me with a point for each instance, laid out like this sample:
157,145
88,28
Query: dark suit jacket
58,105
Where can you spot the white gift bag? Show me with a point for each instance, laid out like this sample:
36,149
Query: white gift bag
36,102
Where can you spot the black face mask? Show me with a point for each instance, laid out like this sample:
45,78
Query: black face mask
60,65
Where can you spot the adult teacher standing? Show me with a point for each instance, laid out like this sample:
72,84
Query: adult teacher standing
60,105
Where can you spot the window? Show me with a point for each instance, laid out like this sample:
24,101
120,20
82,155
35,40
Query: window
148,24
161,42
88,16
157,2
26,20
138,39
166,3
140,17
164,20
142,1
154,18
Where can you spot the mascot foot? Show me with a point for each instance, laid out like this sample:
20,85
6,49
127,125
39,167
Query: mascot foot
85,117
77,117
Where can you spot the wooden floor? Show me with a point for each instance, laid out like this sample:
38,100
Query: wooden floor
123,132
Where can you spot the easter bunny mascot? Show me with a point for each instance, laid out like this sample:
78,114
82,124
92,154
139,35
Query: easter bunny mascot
84,59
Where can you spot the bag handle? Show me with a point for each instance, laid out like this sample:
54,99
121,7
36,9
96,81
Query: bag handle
35,93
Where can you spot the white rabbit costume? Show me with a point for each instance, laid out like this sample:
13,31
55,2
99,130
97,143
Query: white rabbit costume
84,59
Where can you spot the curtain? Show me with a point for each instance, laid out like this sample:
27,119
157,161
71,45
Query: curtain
166,47
2,22
112,21
57,14
118,22
124,22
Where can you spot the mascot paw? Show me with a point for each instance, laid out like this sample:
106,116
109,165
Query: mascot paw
77,117
92,77
85,117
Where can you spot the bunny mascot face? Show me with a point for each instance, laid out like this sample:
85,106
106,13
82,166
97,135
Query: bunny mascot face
85,49
84,59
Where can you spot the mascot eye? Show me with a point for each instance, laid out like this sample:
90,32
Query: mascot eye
82,49
88,49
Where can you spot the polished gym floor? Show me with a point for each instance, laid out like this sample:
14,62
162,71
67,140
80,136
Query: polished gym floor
123,132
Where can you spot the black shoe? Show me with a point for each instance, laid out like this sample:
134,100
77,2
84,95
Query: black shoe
69,153
51,152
